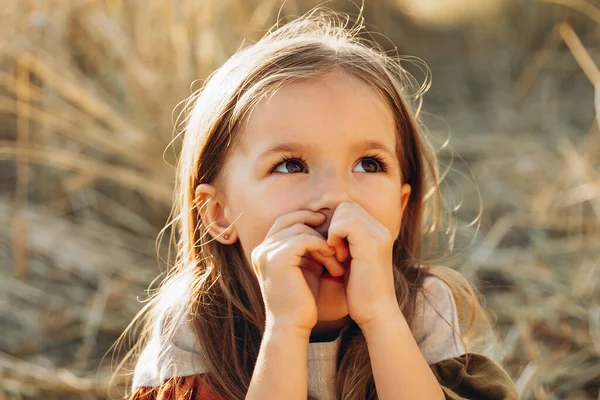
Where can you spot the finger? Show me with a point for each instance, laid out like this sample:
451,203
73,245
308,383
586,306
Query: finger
288,250
307,217
333,266
330,252
342,250
297,229
305,243
311,264
326,256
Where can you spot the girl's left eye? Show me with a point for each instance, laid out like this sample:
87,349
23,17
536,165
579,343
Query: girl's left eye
374,164
294,161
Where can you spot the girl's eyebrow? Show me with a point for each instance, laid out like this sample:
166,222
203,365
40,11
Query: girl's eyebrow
287,147
296,147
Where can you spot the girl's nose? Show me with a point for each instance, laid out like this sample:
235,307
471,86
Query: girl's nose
331,192
333,189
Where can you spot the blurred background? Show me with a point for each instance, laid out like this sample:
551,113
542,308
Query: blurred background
89,91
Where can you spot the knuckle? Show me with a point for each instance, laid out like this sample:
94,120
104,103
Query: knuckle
300,241
307,237
385,235
299,227
259,257
383,242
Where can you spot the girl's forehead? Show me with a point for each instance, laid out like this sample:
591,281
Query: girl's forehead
333,110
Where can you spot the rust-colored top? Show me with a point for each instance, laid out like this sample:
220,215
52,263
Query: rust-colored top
481,379
190,387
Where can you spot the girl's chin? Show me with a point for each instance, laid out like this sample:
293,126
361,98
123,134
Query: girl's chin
326,331
327,317
331,304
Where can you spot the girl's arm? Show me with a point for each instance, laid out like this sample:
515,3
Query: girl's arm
399,369
281,370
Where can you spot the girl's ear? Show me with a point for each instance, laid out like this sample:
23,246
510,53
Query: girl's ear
211,210
404,196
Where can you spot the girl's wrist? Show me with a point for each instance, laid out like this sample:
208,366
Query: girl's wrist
287,331
392,317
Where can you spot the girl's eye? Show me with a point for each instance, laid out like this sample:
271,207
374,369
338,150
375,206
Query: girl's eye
296,164
374,164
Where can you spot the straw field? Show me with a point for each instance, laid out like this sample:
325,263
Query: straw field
90,90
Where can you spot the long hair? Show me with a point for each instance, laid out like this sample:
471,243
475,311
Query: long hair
223,297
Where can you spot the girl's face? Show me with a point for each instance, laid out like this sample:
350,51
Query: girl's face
313,145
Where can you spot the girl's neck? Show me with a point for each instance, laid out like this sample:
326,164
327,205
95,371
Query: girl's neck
328,331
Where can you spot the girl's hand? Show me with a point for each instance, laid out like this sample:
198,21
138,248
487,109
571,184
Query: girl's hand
288,273
370,292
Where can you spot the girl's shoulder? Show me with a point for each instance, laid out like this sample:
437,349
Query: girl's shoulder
461,374
172,349
436,287
435,325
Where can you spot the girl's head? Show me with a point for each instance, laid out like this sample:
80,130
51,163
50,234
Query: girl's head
308,117
316,142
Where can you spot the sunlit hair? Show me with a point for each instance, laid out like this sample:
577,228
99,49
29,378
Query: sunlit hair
222,294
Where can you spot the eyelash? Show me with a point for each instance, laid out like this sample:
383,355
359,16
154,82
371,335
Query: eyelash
297,157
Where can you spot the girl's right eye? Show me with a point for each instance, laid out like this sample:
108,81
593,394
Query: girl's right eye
294,164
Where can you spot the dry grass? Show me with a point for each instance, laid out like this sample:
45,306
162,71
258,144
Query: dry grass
87,93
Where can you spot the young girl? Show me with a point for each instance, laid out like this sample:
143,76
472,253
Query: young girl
305,190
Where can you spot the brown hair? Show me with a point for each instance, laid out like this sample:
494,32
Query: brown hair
224,298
